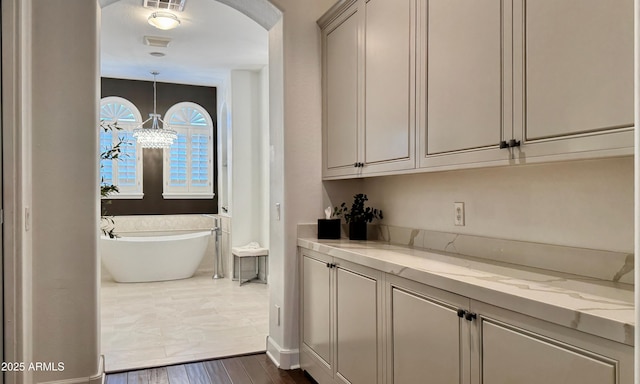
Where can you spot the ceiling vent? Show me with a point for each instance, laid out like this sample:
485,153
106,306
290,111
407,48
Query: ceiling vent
154,41
171,5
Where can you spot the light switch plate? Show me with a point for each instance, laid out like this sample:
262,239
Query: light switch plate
458,218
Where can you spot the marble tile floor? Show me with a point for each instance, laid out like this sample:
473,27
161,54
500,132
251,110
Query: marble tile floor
155,324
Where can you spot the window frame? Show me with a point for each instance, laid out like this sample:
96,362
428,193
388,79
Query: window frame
125,192
189,191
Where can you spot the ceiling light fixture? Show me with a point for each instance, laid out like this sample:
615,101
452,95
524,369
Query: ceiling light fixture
164,20
156,136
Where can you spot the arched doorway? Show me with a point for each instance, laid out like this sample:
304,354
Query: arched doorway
51,307
109,13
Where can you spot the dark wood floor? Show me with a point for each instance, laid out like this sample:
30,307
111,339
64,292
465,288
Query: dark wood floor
250,369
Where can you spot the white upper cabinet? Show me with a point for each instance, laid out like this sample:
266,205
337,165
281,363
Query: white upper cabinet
573,77
464,70
389,139
341,67
368,92
474,83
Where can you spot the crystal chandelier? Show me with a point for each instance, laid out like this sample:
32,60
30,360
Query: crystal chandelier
156,136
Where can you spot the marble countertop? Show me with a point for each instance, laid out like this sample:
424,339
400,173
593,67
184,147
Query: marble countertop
597,307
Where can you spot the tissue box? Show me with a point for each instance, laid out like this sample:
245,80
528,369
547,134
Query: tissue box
328,228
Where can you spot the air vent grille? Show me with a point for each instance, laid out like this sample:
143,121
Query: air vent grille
171,5
155,41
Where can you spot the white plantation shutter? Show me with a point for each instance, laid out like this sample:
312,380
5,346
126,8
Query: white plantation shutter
178,162
199,159
125,172
188,171
106,166
127,164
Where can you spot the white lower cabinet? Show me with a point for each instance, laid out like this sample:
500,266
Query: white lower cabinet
340,316
428,339
316,312
428,342
516,356
518,349
362,326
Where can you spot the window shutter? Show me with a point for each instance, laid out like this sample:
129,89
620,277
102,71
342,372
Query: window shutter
178,162
125,172
127,164
199,159
189,168
106,166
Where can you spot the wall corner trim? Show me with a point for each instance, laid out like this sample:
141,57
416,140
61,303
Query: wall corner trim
283,358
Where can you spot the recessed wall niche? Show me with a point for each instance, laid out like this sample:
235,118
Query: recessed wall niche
140,93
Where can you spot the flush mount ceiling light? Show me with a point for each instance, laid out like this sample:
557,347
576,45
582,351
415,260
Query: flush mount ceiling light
164,20
156,136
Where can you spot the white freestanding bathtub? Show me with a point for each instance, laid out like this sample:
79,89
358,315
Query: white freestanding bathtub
153,256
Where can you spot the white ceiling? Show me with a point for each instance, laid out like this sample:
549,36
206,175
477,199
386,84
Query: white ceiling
212,39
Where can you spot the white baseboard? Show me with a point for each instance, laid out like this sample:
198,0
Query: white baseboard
98,378
283,358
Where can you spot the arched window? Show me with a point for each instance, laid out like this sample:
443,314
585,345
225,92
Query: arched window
188,170
126,171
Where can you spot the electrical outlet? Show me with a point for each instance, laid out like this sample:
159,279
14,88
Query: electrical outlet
458,218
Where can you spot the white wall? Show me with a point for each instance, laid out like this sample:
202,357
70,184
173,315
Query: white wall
223,125
64,189
248,188
265,148
17,181
581,203
295,119
637,180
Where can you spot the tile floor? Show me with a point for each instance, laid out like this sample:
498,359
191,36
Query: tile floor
160,323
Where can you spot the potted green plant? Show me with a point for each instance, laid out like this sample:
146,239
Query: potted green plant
106,189
358,216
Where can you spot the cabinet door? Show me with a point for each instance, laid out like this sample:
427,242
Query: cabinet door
389,135
466,61
514,356
425,340
357,333
510,347
341,71
316,309
574,76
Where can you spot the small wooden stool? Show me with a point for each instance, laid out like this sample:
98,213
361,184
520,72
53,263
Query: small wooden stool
240,253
